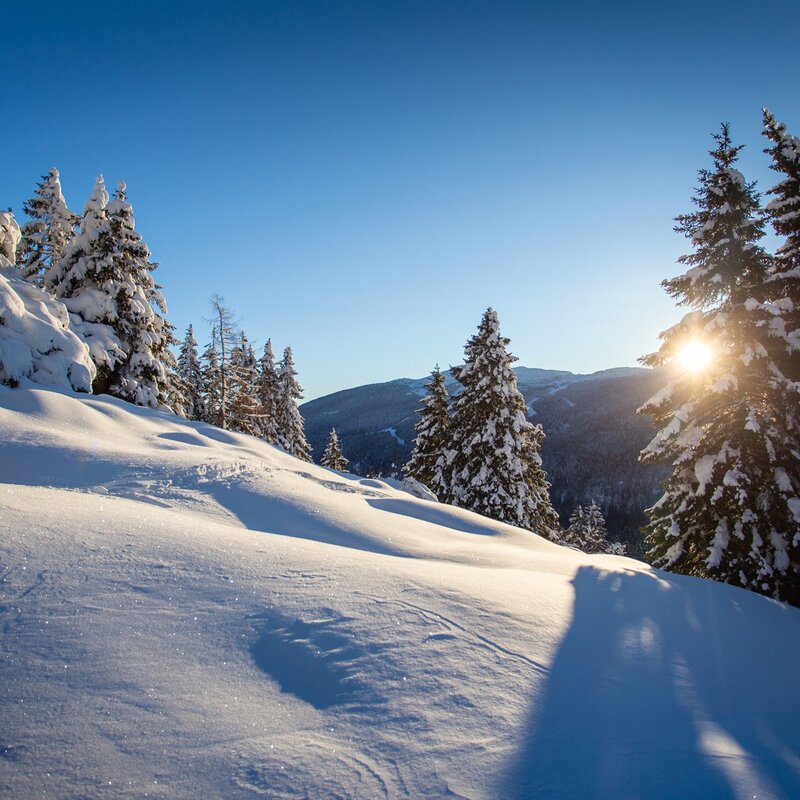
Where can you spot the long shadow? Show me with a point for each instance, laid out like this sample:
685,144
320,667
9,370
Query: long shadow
676,689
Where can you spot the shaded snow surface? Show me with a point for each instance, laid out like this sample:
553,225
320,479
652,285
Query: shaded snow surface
190,613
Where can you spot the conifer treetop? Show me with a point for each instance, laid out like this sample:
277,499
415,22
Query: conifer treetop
724,232
784,207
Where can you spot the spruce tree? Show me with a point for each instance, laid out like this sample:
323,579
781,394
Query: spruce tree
782,307
288,420
493,460
51,228
104,279
244,413
212,378
575,534
333,457
427,461
138,316
784,208
190,373
83,279
596,540
267,393
730,508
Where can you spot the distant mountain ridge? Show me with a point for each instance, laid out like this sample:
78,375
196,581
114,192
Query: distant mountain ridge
593,434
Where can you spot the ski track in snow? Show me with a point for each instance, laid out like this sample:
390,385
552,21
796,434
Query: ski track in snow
188,612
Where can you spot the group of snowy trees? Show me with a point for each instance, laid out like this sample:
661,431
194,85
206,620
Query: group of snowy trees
230,387
102,311
480,452
99,268
731,431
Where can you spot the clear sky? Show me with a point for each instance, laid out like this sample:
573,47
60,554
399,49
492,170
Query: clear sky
362,179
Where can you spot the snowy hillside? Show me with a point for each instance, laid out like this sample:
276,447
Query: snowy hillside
187,612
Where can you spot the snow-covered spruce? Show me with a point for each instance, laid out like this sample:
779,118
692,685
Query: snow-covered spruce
244,413
333,458
731,507
427,461
784,209
105,281
493,461
781,307
49,231
74,280
36,343
190,374
587,531
212,382
267,392
290,430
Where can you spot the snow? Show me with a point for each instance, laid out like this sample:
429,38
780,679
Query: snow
393,433
191,612
36,343
9,237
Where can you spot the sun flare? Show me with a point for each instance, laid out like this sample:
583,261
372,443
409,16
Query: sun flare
694,356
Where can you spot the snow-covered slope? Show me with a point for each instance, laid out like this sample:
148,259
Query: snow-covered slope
187,612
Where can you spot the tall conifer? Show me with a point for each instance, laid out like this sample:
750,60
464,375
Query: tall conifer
427,462
288,420
267,393
191,374
493,459
51,228
731,507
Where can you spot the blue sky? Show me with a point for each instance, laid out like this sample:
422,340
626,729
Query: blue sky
361,180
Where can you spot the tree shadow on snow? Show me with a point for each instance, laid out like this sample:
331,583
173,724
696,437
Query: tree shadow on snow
665,690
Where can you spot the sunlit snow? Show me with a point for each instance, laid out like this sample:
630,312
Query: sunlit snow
188,612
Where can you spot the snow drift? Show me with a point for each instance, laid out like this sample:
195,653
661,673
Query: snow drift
36,343
188,612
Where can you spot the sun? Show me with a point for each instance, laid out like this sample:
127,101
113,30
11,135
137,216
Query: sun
694,356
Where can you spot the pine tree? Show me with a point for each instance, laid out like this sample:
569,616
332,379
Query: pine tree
575,534
83,279
730,508
51,228
105,280
784,209
782,309
596,533
191,374
427,461
244,413
267,393
212,382
146,375
333,457
288,420
493,458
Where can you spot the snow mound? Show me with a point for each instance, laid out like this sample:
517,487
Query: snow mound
189,611
36,343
